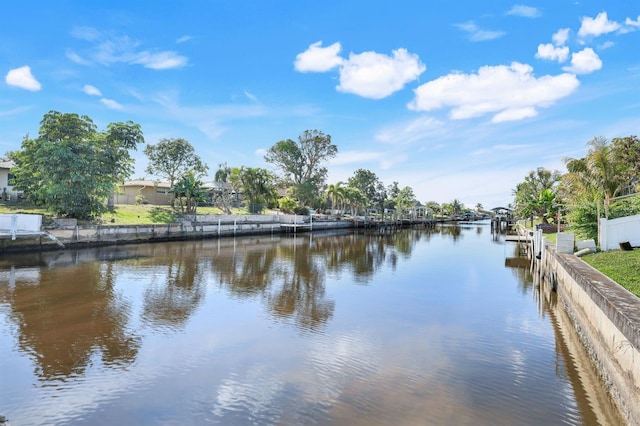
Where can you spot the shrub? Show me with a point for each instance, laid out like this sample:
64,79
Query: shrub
287,204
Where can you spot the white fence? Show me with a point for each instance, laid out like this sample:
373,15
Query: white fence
15,225
616,231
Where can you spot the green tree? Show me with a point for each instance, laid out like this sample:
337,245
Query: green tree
354,199
173,158
227,180
457,207
372,188
301,163
257,187
405,201
189,191
626,152
287,204
71,167
433,207
595,177
392,192
535,196
336,193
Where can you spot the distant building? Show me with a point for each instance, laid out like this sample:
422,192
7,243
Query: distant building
144,192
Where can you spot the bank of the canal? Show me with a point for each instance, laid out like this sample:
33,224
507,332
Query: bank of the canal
607,319
69,234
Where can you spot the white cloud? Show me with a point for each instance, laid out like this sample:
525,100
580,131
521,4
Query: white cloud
210,120
108,48
22,78
319,59
260,152
369,74
160,60
549,52
524,11
419,129
184,39
110,103
597,26
510,92
74,57
633,23
560,37
606,45
515,114
91,90
250,96
376,76
477,34
584,62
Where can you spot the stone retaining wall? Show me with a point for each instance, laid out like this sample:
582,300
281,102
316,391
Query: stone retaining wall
607,318
99,235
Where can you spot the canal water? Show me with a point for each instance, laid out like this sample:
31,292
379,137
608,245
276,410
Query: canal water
415,327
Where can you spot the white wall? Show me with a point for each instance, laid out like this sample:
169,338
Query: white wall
615,231
20,224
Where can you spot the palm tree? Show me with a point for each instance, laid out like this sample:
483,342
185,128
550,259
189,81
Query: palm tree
456,207
336,193
536,195
433,207
595,177
190,189
257,185
355,199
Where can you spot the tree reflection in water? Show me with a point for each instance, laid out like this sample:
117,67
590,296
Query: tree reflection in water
69,316
70,313
290,274
177,288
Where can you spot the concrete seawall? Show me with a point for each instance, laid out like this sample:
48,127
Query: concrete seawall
607,319
78,236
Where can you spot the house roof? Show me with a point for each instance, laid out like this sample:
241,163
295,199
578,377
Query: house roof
6,164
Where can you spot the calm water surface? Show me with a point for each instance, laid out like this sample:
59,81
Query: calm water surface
418,327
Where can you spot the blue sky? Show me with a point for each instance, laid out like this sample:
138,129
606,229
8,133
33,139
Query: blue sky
455,99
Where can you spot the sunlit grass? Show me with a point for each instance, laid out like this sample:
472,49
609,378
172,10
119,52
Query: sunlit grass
21,207
621,266
127,214
124,214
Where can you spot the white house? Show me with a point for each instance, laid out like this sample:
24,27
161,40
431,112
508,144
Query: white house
5,177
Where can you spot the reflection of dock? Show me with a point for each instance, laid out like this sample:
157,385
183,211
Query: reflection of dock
517,262
295,227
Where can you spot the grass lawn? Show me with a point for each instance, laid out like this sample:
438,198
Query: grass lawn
123,214
621,266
